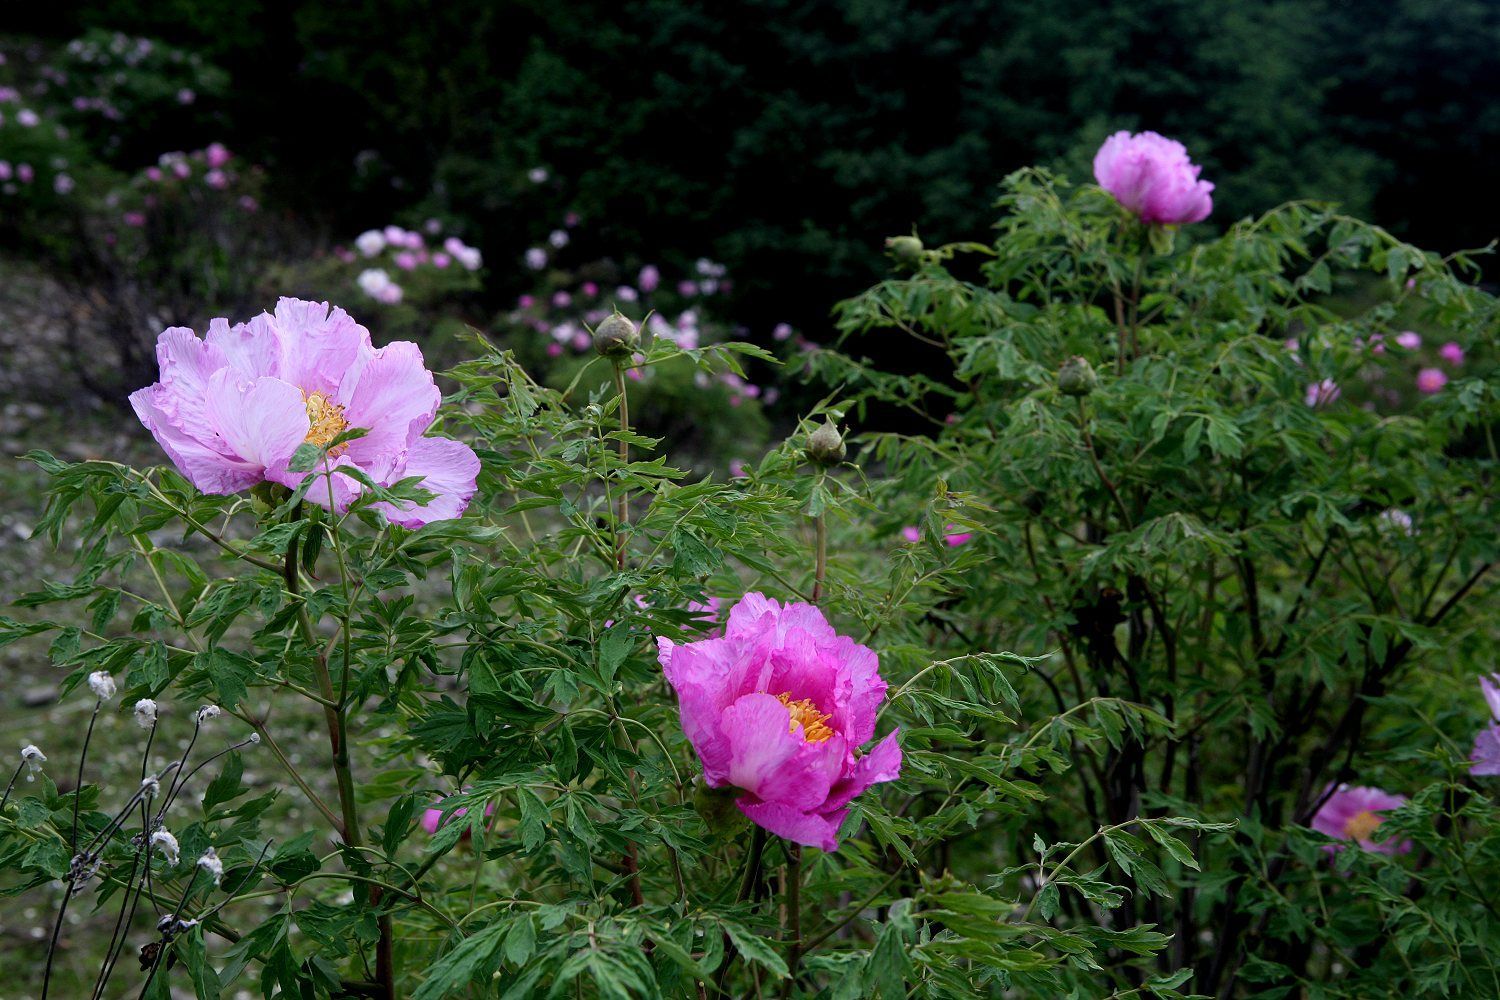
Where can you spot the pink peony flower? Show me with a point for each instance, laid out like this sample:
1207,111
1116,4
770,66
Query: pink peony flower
1431,380
186,96
406,260
1409,339
1152,176
1485,757
216,179
248,203
1353,813
783,331
649,279
1321,393
217,155
911,533
231,409
441,260
24,173
953,539
737,468
1452,352
778,707
135,219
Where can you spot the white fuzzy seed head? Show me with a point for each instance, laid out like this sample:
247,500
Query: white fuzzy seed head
102,684
145,713
163,841
210,863
209,712
33,758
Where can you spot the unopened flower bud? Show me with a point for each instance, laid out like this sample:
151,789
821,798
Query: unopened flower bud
616,336
825,446
1076,377
907,250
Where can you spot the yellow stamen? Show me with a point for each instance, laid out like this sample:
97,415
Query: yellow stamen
814,723
326,421
1361,825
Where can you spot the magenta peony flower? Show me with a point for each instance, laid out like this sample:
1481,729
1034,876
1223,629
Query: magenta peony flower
1152,176
1353,813
1485,757
1453,353
777,708
216,155
1431,380
231,409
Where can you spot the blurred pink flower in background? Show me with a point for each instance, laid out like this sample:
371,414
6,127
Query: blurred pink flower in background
1431,380
186,96
1353,813
1409,339
1152,176
782,331
216,155
1319,393
1452,352
216,179
432,818
649,279
136,219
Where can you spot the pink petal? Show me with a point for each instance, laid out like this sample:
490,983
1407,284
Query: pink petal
762,747
261,421
818,830
883,763
394,398
448,469
319,346
1486,753
250,349
204,464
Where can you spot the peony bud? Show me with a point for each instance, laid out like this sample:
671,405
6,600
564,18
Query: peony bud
1076,377
616,336
907,250
825,446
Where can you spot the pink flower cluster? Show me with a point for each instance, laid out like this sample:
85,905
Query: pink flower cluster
232,409
393,248
1152,177
952,537
778,707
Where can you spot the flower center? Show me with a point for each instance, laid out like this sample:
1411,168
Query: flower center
814,723
1361,825
325,420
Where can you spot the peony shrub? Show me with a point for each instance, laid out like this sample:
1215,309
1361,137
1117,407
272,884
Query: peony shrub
1139,670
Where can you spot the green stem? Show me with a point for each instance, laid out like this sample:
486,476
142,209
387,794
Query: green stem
622,502
793,915
747,885
820,570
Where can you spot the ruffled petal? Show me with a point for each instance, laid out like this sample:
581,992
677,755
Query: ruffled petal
448,469
761,745
319,347
820,830
186,365
1486,754
394,398
261,421
250,350
882,763
204,464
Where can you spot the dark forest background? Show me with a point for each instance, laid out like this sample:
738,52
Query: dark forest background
787,139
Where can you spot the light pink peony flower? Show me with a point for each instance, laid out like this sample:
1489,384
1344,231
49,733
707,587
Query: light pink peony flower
1409,339
648,279
1453,353
1485,757
1431,380
1152,176
778,707
1353,813
231,409
216,155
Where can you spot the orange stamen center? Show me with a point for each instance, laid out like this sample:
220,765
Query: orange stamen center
1362,825
815,728
325,420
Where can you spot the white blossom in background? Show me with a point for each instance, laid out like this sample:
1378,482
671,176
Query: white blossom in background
536,258
558,238
537,175
370,242
373,281
102,684
145,713
33,758
162,840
